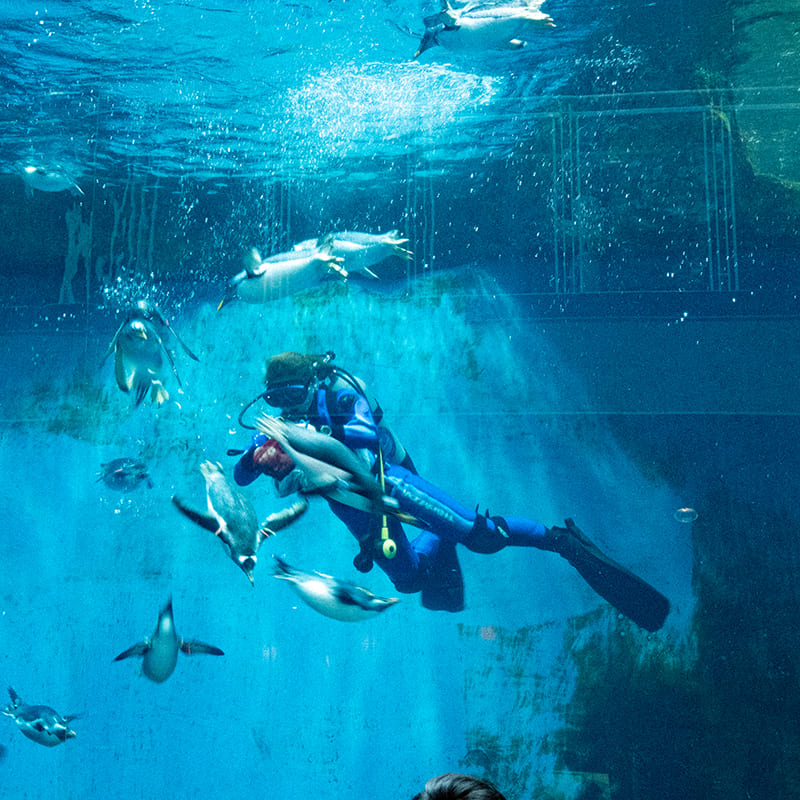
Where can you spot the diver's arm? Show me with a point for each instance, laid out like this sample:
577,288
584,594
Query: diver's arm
352,421
245,471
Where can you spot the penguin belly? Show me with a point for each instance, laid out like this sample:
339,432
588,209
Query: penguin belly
281,278
43,725
158,663
320,595
506,32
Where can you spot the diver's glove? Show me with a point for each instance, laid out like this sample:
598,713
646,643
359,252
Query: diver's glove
271,459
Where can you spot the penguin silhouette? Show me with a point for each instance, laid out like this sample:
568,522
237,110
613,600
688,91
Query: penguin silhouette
160,652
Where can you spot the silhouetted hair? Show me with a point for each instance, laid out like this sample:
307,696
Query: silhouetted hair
452,786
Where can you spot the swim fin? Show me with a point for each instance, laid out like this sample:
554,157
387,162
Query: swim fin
627,592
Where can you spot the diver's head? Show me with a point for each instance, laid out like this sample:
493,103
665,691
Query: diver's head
293,378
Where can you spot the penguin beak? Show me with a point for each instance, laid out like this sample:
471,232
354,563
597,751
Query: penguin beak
229,296
248,565
428,40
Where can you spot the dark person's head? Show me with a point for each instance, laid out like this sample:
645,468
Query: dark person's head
453,786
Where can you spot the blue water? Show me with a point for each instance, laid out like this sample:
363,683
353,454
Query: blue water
593,325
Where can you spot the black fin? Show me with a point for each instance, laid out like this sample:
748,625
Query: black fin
628,593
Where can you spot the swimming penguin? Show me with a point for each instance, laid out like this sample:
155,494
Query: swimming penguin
360,251
281,275
123,474
47,180
39,723
334,598
476,27
138,347
160,653
232,518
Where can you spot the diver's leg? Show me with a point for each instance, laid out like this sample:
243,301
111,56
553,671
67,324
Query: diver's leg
426,564
429,504
484,534
627,592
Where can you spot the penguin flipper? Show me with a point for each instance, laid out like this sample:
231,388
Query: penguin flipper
346,596
155,313
203,520
124,381
283,570
280,519
253,263
181,342
139,649
113,345
167,353
193,648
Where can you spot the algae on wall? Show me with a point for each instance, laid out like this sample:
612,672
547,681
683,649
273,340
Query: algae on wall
765,37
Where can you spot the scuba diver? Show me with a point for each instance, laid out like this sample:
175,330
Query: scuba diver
320,402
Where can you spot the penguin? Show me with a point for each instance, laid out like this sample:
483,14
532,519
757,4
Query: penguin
233,519
336,599
123,474
160,653
477,28
138,347
281,275
40,723
43,179
360,251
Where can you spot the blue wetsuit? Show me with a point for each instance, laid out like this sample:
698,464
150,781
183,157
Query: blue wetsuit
428,563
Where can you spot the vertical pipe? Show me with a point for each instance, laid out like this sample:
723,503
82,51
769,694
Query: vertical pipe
432,200
563,166
579,196
715,190
724,135
570,166
151,240
287,228
554,204
131,221
706,122
411,231
734,246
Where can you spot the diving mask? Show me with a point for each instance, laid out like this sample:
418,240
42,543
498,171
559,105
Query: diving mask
289,395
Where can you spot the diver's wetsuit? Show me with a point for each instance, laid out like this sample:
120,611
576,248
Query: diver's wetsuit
428,563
